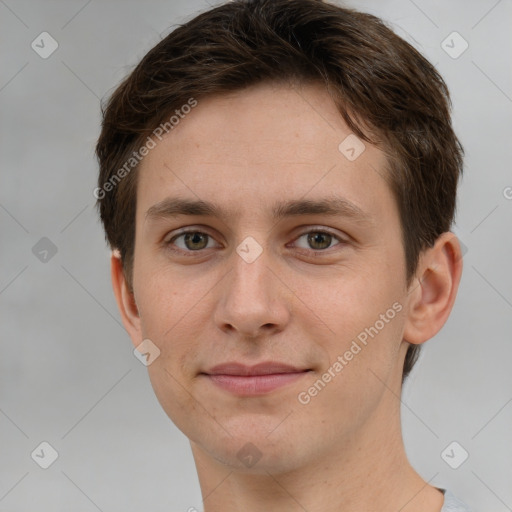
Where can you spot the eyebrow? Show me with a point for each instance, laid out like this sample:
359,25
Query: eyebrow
330,206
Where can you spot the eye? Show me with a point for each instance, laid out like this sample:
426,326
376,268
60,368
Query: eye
191,241
318,240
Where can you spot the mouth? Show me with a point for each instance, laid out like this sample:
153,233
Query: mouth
243,380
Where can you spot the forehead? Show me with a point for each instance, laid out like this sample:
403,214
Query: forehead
249,149
292,122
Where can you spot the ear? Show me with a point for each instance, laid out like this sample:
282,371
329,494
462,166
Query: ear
432,293
125,299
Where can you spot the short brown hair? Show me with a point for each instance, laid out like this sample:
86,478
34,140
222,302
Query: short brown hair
385,90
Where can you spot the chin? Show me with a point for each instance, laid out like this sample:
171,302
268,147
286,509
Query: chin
252,449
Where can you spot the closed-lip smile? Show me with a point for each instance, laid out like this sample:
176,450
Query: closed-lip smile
259,379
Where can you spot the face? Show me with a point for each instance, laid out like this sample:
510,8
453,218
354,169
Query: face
293,257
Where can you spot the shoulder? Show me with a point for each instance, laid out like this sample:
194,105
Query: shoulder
453,504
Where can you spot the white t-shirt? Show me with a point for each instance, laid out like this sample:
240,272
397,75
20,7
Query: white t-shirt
453,504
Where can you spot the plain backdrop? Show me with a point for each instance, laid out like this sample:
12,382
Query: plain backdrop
68,375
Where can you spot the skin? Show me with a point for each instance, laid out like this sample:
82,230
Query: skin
343,450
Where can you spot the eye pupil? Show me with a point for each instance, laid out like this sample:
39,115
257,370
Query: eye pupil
196,238
317,238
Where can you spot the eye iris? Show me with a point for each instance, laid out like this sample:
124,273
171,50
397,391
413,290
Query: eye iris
196,238
317,238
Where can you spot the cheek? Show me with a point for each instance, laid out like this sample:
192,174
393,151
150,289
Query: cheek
354,301
163,297
174,396
364,313
352,383
169,314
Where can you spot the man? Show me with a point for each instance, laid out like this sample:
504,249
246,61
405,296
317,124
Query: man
277,182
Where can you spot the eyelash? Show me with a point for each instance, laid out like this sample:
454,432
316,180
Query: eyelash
311,252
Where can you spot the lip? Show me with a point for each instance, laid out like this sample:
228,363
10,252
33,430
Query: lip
243,380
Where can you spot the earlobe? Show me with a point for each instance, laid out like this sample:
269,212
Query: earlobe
432,294
125,299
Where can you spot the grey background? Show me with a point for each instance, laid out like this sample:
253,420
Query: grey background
68,375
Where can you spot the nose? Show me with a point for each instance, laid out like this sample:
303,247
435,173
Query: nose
253,301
